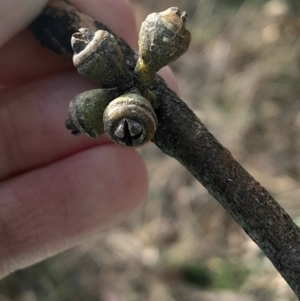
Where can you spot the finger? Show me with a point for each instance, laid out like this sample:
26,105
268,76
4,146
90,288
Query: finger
32,117
121,21
23,59
56,207
167,74
15,15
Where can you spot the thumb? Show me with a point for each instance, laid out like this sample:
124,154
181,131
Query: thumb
15,15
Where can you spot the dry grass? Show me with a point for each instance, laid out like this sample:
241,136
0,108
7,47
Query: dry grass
241,76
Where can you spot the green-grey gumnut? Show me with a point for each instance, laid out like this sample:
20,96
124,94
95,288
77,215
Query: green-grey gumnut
162,39
130,120
86,112
99,57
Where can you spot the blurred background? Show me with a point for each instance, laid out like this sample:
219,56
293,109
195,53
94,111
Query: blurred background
241,76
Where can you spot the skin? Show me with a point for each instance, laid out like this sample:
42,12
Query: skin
56,190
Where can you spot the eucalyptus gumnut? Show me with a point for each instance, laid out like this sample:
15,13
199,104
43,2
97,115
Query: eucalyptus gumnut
130,120
99,57
163,38
86,112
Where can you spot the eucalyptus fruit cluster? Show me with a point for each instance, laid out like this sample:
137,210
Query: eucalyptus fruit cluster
124,107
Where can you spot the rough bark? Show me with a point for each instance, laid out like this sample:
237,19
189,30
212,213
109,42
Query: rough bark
181,135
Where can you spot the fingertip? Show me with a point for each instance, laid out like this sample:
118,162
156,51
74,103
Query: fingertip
170,78
129,177
116,14
104,184
15,15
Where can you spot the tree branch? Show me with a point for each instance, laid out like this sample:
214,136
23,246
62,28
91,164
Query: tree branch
181,135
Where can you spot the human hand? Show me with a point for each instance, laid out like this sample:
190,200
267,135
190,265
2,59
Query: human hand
56,190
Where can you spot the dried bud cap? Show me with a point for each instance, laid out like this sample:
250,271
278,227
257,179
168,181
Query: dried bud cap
162,39
99,57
